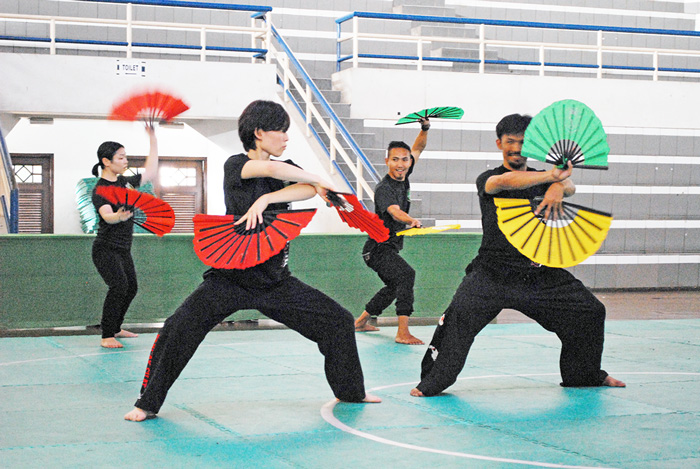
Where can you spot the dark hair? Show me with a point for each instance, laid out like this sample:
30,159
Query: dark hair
263,115
514,124
106,150
396,144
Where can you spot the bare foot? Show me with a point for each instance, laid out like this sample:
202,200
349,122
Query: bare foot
111,342
362,323
408,339
415,392
405,337
614,383
125,334
138,415
372,399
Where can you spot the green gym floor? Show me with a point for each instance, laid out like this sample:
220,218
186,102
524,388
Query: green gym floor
258,398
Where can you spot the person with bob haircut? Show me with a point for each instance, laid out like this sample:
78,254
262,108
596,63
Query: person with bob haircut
501,277
254,184
111,250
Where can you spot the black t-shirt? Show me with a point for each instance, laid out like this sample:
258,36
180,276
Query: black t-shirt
117,235
495,248
239,195
387,193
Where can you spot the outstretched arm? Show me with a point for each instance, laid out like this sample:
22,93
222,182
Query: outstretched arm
523,179
150,172
399,215
421,140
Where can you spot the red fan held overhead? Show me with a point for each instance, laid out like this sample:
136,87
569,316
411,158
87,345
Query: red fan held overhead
151,107
355,215
219,243
150,212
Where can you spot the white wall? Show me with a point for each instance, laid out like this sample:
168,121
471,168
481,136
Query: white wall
78,92
487,98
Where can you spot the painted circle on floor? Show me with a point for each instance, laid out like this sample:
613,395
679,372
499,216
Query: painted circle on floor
329,416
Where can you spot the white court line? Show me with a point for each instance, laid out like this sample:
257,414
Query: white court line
328,416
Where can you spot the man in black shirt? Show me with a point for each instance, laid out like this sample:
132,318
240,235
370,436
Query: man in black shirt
392,201
501,277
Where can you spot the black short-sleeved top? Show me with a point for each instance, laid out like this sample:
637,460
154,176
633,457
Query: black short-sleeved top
387,193
117,235
495,248
239,195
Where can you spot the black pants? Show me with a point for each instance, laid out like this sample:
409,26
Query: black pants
116,267
553,297
398,278
291,302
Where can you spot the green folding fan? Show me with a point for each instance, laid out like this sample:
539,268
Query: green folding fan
445,112
566,131
88,215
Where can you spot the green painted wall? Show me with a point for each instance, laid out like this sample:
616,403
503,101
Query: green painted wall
50,281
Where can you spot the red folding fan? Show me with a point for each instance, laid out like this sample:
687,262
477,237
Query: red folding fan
150,213
219,243
355,215
151,107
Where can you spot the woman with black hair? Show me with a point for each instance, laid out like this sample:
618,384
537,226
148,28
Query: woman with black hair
254,184
111,251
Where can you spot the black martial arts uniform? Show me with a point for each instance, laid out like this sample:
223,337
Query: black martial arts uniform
500,277
268,287
384,258
111,254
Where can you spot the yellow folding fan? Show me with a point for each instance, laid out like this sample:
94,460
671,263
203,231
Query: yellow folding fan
564,242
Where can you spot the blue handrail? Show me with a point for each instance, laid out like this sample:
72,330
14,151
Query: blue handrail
326,107
11,213
523,24
185,4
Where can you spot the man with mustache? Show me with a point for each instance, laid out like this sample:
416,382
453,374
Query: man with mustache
501,277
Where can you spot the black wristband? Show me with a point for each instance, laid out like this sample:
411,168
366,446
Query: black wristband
425,128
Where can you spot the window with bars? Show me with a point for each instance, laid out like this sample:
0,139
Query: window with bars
34,176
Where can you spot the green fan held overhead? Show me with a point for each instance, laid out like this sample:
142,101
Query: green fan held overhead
566,131
445,112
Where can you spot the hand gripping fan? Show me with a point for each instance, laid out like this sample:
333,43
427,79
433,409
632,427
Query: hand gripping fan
150,212
445,112
221,244
89,219
555,243
151,107
565,131
427,230
355,215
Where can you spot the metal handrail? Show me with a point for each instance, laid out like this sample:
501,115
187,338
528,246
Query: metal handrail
482,42
129,24
10,213
309,91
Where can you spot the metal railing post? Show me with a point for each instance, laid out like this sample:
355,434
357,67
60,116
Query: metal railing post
308,96
420,53
203,43
542,60
360,179
355,41
52,33
333,143
482,49
600,55
656,65
129,31
268,37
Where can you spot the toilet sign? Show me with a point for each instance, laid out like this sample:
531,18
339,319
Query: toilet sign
131,68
